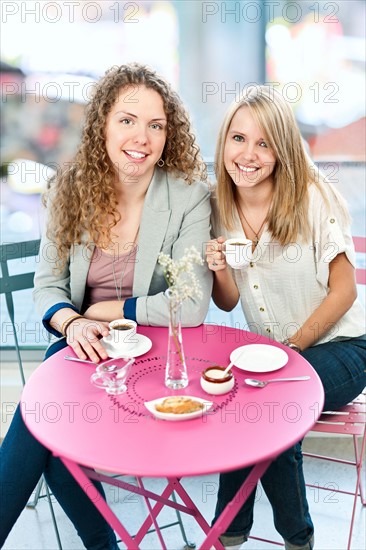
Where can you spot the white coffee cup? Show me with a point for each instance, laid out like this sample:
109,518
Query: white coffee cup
238,252
122,334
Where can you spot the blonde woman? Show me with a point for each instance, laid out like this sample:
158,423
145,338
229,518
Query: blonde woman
133,191
299,288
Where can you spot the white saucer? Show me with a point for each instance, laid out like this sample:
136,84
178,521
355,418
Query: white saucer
142,345
259,358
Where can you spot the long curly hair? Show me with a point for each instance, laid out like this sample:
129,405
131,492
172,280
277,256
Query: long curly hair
81,199
293,174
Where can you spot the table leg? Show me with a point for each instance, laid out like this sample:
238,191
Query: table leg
175,485
153,516
156,509
213,533
161,500
234,506
100,504
189,503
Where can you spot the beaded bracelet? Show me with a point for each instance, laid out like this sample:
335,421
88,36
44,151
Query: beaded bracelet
67,323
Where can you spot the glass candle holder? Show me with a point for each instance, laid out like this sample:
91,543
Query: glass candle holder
112,378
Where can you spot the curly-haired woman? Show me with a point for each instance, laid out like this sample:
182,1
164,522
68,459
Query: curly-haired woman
133,191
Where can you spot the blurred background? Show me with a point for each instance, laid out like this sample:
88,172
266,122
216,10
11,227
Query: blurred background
53,52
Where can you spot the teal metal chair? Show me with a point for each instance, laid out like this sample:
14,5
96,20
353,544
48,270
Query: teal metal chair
8,285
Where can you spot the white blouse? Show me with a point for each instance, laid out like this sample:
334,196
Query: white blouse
283,286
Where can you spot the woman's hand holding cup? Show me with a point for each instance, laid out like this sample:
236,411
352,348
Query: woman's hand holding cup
215,256
236,252
83,336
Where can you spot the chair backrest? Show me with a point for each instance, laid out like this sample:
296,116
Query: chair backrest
360,246
12,283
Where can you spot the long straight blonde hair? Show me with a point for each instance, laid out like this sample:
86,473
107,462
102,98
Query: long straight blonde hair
293,174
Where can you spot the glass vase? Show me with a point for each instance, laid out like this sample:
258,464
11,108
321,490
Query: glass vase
176,376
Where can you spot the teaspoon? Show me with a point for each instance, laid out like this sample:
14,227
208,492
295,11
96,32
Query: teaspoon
232,363
71,358
262,384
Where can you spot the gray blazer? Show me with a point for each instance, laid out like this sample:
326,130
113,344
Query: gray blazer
175,216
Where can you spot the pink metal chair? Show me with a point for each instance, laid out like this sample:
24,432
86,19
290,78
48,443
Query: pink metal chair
360,246
349,420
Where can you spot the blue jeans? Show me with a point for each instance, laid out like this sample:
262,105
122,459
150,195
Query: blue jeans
22,461
341,367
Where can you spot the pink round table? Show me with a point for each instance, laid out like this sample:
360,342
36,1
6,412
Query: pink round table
89,429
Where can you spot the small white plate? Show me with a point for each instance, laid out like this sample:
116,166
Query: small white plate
259,358
150,405
142,345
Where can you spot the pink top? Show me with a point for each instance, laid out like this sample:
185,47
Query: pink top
110,276
74,419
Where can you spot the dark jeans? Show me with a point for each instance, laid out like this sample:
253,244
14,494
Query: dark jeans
22,461
341,367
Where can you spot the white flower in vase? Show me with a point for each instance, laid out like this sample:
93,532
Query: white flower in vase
182,284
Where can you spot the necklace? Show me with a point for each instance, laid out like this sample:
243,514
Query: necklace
256,233
126,261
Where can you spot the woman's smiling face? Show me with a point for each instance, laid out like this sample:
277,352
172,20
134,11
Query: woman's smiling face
135,132
247,157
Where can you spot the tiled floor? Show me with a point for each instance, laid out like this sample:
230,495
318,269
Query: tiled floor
330,512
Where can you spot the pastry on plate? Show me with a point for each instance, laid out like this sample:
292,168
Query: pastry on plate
179,405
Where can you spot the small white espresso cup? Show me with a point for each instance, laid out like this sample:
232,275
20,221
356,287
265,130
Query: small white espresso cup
122,334
238,252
